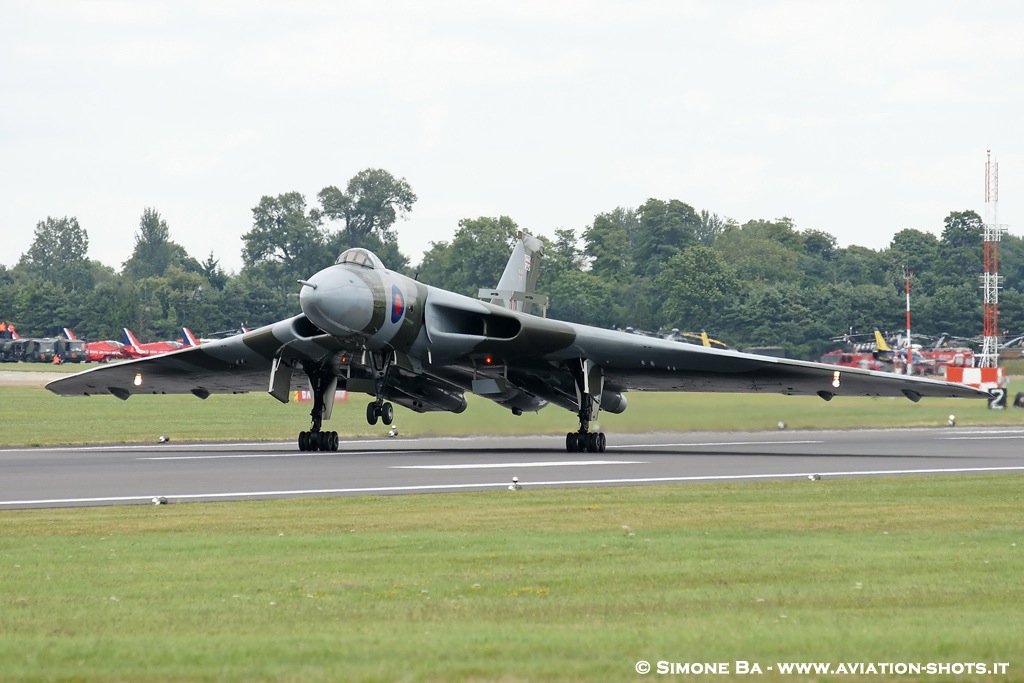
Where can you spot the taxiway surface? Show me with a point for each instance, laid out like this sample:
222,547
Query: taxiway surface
110,475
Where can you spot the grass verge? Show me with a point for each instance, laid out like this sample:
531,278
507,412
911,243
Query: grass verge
535,585
35,417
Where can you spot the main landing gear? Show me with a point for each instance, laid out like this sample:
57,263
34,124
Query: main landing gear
323,384
589,380
585,442
318,441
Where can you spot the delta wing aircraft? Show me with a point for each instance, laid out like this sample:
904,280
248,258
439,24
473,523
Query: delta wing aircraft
367,329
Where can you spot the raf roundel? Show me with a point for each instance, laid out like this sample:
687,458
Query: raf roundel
397,304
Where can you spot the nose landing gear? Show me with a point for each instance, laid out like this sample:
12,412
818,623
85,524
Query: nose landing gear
380,409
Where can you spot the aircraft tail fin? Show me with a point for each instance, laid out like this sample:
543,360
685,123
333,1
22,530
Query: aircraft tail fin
884,352
880,340
190,339
69,335
515,290
132,341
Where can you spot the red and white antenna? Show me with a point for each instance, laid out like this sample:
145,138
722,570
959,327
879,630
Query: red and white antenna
990,280
910,346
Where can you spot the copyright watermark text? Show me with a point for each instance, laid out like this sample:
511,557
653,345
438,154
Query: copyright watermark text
742,667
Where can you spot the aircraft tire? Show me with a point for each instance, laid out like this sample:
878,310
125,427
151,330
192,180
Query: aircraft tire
602,442
335,441
387,413
371,413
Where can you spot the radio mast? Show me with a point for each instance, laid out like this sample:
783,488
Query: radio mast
990,280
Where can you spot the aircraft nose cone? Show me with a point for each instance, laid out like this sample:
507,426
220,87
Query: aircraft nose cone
337,302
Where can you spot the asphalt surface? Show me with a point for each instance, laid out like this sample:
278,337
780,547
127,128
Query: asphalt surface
118,475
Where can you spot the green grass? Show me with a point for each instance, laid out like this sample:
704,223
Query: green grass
33,416
539,585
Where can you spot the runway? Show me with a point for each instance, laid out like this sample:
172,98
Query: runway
136,474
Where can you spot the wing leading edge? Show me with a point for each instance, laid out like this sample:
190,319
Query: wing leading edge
633,363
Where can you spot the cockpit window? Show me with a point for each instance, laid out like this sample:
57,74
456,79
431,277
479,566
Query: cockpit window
360,257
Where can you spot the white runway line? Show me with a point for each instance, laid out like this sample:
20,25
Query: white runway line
713,443
308,454
501,465
172,497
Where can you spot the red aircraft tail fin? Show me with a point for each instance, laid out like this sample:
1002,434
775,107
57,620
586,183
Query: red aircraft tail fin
132,341
69,334
189,338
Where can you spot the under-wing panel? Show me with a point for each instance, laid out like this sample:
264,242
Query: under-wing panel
234,365
634,363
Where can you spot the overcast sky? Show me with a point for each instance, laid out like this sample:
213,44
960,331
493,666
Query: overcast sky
856,118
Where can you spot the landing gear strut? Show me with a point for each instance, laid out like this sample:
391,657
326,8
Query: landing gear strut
589,380
323,384
379,408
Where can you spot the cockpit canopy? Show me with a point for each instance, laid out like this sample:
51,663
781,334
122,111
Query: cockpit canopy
360,257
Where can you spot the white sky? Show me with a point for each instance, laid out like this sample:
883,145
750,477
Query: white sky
856,118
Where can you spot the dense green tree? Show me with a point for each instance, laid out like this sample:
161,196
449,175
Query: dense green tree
956,309
583,297
373,200
286,239
561,256
817,262
475,258
761,251
711,226
862,266
154,250
58,254
214,274
770,315
916,252
960,251
698,285
665,229
609,244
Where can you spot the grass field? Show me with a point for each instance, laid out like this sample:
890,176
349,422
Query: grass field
544,585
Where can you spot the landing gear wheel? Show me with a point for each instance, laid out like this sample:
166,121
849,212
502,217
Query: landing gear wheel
303,441
585,442
371,413
387,413
576,442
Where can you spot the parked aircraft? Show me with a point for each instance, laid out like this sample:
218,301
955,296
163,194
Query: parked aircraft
101,351
368,329
140,350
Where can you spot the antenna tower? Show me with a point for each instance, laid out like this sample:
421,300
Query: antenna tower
990,280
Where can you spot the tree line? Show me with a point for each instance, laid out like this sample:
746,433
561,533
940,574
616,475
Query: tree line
661,265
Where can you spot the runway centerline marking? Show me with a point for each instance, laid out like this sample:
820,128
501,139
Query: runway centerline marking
716,443
501,465
980,438
310,454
